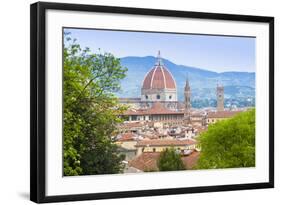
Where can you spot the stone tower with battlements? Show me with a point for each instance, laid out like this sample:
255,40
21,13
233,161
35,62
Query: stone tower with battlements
220,98
187,99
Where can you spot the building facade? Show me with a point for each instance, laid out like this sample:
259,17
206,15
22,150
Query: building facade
160,145
214,117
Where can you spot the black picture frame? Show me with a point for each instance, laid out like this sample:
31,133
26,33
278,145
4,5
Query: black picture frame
38,101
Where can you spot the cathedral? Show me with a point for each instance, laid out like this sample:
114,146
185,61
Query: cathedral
159,84
159,100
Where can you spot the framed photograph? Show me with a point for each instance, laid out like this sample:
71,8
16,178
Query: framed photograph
129,102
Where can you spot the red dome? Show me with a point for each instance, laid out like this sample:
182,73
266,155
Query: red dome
159,77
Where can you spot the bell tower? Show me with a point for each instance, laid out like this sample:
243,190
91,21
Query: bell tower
220,98
187,99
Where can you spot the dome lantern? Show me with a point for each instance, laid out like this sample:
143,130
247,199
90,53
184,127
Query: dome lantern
159,84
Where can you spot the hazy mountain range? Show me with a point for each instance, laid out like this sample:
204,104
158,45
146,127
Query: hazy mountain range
238,85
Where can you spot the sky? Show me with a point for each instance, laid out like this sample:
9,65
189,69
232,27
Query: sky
215,53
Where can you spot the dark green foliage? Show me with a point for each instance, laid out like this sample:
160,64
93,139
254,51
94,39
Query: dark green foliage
170,160
229,143
90,110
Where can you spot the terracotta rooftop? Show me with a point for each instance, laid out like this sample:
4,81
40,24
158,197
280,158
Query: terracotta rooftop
191,160
163,142
222,114
130,125
147,161
156,109
197,115
159,77
149,137
126,137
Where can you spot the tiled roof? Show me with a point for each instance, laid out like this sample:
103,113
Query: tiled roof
156,109
131,125
126,137
197,115
147,161
191,160
222,114
164,142
159,78
150,137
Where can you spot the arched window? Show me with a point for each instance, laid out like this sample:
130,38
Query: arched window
158,97
170,97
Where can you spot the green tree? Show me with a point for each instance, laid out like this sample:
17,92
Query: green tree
229,143
90,110
170,160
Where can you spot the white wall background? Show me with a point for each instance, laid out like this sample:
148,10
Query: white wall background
14,100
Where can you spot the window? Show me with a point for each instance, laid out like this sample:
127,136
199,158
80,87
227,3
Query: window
170,97
154,150
146,97
158,97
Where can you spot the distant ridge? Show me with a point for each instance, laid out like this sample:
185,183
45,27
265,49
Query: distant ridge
202,81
